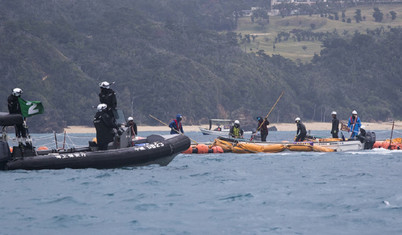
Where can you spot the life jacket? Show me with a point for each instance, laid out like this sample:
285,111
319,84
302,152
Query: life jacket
178,125
351,120
236,131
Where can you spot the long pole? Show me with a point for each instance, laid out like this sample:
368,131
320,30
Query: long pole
268,114
392,132
178,132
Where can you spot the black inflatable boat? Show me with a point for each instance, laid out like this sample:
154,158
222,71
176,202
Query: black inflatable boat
155,149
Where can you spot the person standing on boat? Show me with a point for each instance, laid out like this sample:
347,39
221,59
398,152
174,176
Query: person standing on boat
14,107
263,128
335,125
301,130
132,125
236,131
105,126
175,125
108,96
354,124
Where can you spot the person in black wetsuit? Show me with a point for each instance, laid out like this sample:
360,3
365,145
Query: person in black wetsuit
14,107
108,96
301,130
335,125
263,128
104,126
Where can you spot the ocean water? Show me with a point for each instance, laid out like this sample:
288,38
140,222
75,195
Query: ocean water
283,193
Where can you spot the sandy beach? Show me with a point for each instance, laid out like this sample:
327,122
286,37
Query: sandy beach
279,126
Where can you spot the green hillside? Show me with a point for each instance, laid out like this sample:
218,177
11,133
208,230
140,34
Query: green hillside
183,56
304,50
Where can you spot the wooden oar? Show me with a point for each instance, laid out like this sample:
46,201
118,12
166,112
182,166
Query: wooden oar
178,132
252,137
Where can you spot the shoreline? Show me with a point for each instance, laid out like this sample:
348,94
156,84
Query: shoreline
314,126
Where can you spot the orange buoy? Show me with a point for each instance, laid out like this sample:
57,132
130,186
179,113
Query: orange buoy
43,148
188,151
377,144
385,144
201,148
217,149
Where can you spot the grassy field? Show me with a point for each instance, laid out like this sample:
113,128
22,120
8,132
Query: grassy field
303,51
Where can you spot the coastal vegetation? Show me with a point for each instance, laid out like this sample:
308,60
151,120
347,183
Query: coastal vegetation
194,57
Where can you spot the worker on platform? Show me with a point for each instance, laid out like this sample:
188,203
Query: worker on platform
105,127
176,126
354,124
14,107
236,131
301,130
335,125
263,128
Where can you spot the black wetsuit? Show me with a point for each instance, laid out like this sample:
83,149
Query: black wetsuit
104,125
335,127
301,132
15,108
108,97
263,129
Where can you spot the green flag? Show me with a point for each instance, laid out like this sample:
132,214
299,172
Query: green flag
30,108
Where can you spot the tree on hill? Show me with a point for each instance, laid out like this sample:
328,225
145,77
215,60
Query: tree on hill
377,14
358,15
393,15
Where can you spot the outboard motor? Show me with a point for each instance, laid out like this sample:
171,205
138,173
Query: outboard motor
5,154
370,140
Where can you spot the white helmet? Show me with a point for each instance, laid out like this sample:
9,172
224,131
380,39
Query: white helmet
101,107
237,122
17,92
130,119
354,112
297,119
105,85
362,127
333,113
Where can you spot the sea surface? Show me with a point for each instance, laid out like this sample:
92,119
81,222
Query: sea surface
283,193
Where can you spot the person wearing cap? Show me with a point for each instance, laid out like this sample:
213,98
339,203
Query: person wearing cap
263,128
236,131
14,107
108,96
132,125
354,124
335,125
175,125
301,130
104,126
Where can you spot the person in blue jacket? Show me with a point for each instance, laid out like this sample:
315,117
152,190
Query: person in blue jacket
354,124
175,125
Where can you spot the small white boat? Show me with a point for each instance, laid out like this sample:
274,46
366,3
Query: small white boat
220,127
342,146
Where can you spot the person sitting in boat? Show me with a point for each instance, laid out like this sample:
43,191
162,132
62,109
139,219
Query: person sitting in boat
263,127
335,125
175,125
132,125
108,96
301,130
14,107
105,127
354,124
236,131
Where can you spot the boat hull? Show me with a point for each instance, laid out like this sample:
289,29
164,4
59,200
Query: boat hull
158,152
